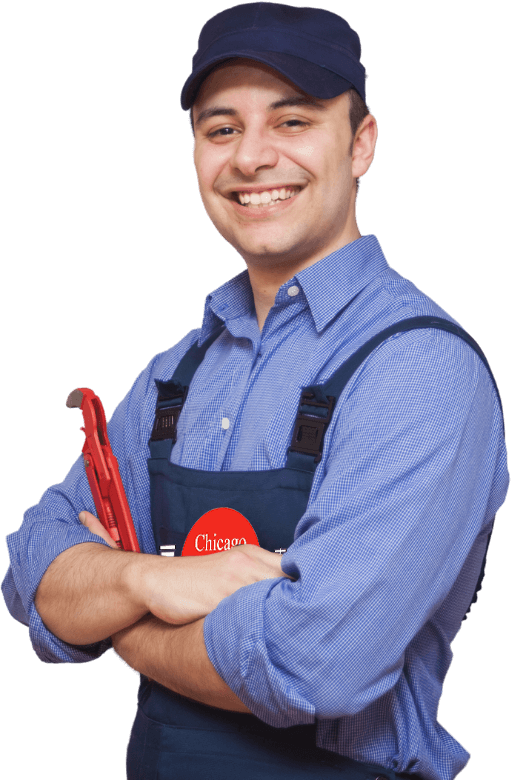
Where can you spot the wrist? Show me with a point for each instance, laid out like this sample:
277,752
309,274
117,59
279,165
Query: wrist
134,580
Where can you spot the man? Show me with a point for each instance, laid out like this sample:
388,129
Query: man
277,163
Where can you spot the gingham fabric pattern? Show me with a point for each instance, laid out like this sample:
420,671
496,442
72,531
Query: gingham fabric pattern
388,553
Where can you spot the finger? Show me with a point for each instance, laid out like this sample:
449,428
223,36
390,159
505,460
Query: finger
95,527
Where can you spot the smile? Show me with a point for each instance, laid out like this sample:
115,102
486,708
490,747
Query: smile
267,197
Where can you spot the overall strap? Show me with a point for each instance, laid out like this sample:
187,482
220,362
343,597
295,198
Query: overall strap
173,393
317,402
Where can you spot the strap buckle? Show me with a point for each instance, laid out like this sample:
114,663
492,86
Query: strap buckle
309,431
167,414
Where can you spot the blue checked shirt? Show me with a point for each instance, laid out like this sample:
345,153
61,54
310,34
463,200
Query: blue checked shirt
391,544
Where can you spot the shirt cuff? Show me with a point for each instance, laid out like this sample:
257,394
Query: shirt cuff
235,643
43,545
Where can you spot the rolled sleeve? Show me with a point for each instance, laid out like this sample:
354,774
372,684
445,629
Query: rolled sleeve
413,472
47,530
53,525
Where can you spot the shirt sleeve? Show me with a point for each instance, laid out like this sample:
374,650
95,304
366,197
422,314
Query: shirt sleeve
414,469
53,526
47,530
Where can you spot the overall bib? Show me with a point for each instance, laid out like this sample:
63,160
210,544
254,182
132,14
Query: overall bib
174,737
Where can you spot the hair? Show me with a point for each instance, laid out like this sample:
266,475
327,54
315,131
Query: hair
356,113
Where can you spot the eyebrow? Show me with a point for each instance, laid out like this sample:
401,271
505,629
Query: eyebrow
297,100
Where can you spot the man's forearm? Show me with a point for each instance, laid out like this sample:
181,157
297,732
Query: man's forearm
176,657
86,594
91,591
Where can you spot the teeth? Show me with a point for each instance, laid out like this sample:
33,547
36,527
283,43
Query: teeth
266,197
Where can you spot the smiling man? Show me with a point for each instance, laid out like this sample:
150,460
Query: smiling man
276,170
325,401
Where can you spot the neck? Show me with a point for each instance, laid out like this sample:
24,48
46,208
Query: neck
265,283
266,280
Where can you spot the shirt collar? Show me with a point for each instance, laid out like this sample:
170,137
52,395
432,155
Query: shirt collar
328,286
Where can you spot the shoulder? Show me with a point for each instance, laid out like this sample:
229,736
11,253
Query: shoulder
133,417
418,395
426,378
438,349
163,365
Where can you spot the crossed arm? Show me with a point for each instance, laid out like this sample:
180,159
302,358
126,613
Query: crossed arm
176,657
152,607
173,655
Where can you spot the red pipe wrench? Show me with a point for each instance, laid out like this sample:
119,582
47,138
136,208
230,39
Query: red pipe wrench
103,472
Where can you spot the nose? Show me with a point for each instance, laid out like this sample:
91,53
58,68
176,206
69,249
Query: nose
253,151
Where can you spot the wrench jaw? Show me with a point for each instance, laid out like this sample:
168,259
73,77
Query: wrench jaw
75,399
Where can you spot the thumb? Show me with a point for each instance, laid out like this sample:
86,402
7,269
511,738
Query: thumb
95,527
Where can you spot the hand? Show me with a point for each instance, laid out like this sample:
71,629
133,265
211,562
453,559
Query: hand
94,525
181,590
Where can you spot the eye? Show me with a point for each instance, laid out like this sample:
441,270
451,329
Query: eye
293,126
221,132
294,122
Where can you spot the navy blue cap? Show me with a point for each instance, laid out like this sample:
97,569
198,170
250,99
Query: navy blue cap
315,49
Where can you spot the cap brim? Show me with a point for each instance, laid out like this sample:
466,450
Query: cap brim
307,76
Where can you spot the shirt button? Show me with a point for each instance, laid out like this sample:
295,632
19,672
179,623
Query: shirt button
225,423
293,291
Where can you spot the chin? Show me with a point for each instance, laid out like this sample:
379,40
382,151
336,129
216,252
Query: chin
271,249
268,254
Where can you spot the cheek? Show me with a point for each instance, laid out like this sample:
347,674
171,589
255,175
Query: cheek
305,152
209,166
336,191
338,173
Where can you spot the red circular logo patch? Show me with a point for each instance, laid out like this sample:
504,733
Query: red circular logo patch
218,530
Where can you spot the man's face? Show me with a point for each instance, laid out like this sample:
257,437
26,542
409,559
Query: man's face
274,165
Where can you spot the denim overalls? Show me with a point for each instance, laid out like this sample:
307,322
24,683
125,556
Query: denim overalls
174,737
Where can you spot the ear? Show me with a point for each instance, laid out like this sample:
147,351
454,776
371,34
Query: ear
364,146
